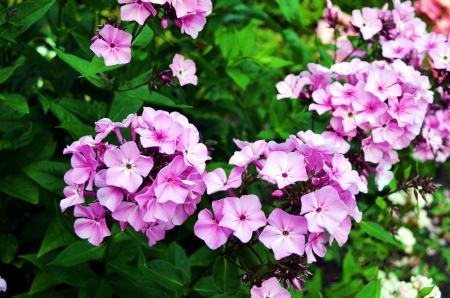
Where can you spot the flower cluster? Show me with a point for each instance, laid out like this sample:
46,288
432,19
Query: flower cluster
438,11
313,191
381,105
152,184
392,287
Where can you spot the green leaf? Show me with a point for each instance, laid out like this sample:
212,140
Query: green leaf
6,72
55,237
98,66
177,256
81,108
16,102
27,14
8,247
350,267
375,230
43,281
206,287
62,114
121,249
97,287
44,102
77,130
381,203
143,94
134,275
407,172
242,80
325,58
347,289
21,187
83,42
144,38
291,11
426,291
48,174
123,106
369,291
225,276
79,252
203,256
162,272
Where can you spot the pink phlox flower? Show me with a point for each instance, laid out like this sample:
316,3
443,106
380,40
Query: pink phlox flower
101,150
368,22
130,212
345,48
373,152
248,154
317,142
443,120
285,235
428,42
341,234
217,180
205,6
391,156
115,46
323,209
3,285
84,166
346,94
414,29
169,185
315,243
73,192
105,126
184,70
269,288
410,132
397,48
441,56
336,137
243,215
180,215
182,7
136,10
93,226
341,172
382,174
320,76
286,146
86,140
432,138
368,108
347,113
154,233
356,66
193,23
126,167
423,152
383,84
285,168
164,134
349,200
386,130
401,69
241,144
108,195
195,154
322,99
208,229
404,111
198,189
290,87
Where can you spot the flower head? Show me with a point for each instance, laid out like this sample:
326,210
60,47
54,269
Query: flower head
114,46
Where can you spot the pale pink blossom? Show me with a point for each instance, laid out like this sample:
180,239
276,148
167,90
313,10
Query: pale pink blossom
154,233
73,192
269,288
93,225
3,285
193,23
428,42
368,108
290,87
383,84
386,130
84,166
368,22
441,56
131,213
285,235
136,10
373,152
182,7
195,154
108,195
249,153
285,168
217,180
337,137
341,234
397,48
114,46
322,99
184,70
315,243
243,215
154,210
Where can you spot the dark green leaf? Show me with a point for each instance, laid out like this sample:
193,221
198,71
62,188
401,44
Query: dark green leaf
96,288
48,174
43,281
17,102
369,291
6,72
55,237
135,275
206,287
177,256
242,80
8,247
143,94
407,172
79,252
291,11
144,38
21,187
350,267
77,130
203,256
381,203
375,230
225,276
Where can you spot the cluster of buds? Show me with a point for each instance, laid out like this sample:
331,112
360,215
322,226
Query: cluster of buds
152,183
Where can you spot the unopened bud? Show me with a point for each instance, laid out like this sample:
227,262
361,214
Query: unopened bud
277,193
315,181
296,284
164,22
13,12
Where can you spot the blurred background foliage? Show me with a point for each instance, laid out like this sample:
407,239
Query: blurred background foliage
53,89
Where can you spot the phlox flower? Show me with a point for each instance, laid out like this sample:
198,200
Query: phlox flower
217,180
397,48
73,192
84,166
109,196
382,174
114,46
428,42
195,154
248,153
368,23
130,212
383,84
285,235
136,10
386,130
270,288
285,168
154,233
243,215
441,56
169,185
163,135
368,108
93,224
208,229
290,87
315,243
323,209
2,285
337,137
373,152
341,234
341,172
184,70
86,140
322,99
193,23
105,126
347,113
404,111
182,7
154,210
344,94
126,167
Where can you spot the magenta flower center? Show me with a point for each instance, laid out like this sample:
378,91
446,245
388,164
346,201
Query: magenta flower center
380,88
242,218
112,46
128,166
139,2
285,233
350,115
318,210
284,175
170,180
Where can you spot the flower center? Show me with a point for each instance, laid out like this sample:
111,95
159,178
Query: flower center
285,233
380,88
384,125
128,166
112,46
242,218
318,210
284,175
445,58
350,115
139,2
159,136
170,180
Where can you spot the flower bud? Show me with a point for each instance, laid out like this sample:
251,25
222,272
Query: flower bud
277,193
164,22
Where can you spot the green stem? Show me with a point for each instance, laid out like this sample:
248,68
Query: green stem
113,91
